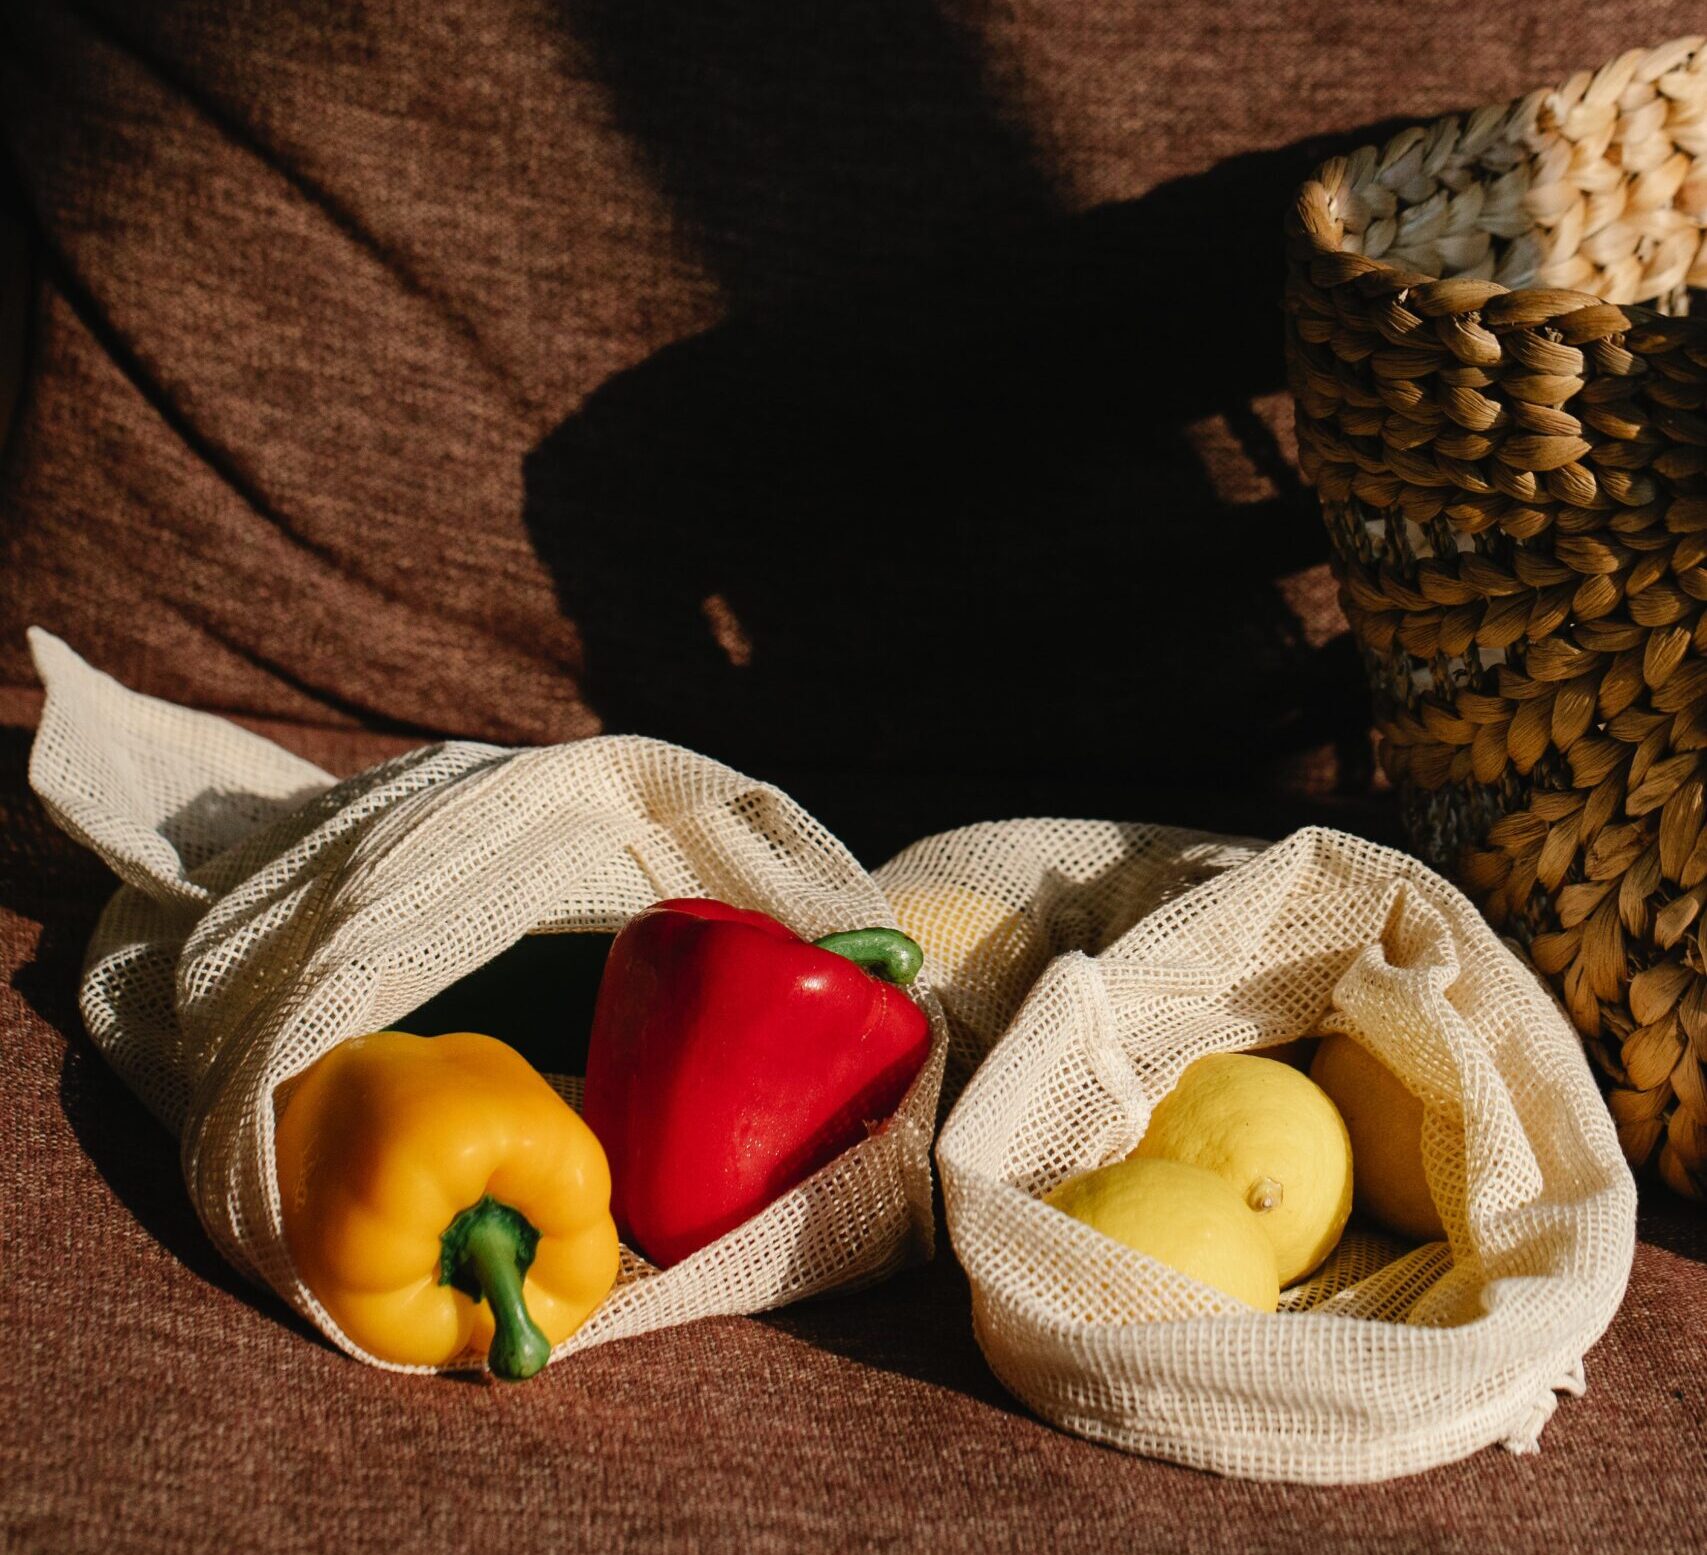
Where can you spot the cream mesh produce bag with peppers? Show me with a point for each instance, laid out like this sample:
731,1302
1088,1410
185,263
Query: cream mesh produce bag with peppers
1390,1359
269,913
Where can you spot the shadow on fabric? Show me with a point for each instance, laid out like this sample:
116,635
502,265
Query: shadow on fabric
915,1324
1671,1222
1018,517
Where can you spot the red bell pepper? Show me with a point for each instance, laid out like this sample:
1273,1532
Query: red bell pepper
730,1059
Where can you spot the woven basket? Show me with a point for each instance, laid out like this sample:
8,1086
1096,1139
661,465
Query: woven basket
1504,420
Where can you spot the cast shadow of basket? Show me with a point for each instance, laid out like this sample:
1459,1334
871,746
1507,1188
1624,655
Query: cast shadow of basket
1019,524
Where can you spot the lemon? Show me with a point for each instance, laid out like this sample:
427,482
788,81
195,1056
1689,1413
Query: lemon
959,929
1385,1122
1182,1216
1274,1136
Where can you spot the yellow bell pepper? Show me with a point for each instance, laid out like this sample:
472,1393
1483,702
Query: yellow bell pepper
441,1199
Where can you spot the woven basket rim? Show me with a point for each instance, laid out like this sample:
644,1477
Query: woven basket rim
1512,122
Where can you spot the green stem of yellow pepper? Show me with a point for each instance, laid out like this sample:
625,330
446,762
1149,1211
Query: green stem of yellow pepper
885,953
485,1253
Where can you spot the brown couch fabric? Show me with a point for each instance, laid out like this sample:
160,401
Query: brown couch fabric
883,397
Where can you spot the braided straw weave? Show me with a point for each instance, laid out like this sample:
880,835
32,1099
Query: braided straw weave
1511,456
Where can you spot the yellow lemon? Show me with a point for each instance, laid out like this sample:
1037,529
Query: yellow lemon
1182,1216
958,928
1385,1122
1272,1134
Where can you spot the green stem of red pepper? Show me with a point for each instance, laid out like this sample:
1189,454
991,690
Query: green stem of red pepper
885,953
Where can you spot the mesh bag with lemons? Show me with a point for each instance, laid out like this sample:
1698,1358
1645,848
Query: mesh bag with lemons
1179,1243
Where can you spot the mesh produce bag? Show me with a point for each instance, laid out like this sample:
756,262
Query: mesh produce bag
269,913
998,901
1390,1359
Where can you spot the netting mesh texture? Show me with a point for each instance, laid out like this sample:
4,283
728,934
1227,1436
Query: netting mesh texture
1078,967
269,914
